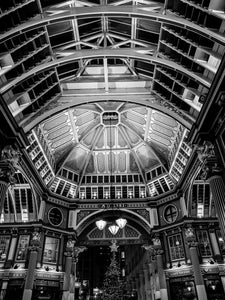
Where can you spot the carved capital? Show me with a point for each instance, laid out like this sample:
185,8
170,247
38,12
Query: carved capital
205,151
10,155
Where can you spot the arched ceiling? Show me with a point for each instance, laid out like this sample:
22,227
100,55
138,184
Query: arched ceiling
125,102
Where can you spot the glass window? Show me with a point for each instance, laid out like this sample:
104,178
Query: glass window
204,244
221,242
176,247
170,213
4,246
22,248
51,250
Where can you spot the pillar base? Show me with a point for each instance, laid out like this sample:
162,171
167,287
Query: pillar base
201,292
65,295
27,294
71,296
163,294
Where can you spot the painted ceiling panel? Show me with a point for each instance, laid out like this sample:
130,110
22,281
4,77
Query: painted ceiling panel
162,118
85,118
55,121
58,132
79,112
133,164
89,138
90,167
160,139
121,141
122,162
146,157
62,141
82,131
111,162
100,142
131,116
138,128
77,159
162,130
100,158
134,139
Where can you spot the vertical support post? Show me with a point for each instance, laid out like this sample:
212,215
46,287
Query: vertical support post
199,281
29,282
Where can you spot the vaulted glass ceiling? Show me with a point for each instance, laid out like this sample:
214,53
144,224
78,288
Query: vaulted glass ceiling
112,93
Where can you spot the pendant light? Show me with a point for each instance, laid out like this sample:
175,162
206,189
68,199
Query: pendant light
101,224
113,229
121,222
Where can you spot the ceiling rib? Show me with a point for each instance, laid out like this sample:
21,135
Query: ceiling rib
95,139
123,132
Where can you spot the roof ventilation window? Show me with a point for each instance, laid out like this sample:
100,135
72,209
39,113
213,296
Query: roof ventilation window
110,118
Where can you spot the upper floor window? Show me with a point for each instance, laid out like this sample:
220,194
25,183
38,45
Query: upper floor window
22,249
204,243
51,250
176,247
202,205
4,246
221,242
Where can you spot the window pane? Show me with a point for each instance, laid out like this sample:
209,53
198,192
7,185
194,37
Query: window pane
22,248
4,246
176,247
51,250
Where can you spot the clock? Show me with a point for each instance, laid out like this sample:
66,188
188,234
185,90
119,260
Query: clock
55,216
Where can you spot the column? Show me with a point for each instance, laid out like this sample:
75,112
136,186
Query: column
29,282
161,274
215,246
66,280
142,285
138,287
39,257
199,281
3,290
147,284
217,187
12,250
75,256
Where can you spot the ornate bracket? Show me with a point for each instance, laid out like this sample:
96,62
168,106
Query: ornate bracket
8,163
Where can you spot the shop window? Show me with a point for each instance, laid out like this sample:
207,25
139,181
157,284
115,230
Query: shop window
4,246
51,250
22,248
176,247
182,288
221,242
214,287
204,243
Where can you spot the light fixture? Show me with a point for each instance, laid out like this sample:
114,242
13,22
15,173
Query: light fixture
113,228
119,223
101,224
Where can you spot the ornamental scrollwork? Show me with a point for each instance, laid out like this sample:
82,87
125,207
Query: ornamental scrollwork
8,163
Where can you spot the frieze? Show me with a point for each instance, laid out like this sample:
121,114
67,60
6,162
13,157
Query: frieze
111,205
59,202
167,199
